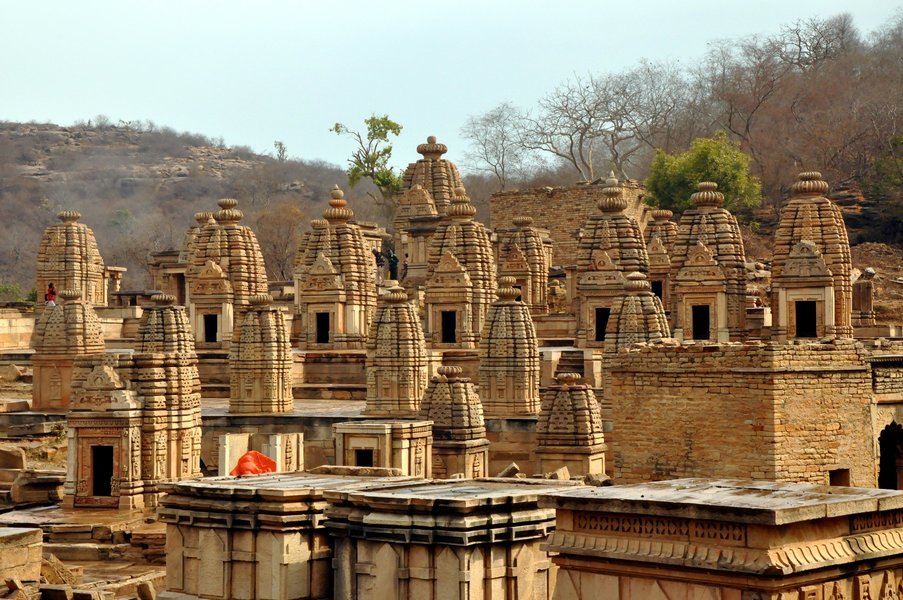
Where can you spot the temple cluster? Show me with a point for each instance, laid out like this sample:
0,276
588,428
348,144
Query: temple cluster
622,346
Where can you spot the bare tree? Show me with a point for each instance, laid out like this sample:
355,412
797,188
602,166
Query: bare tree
496,145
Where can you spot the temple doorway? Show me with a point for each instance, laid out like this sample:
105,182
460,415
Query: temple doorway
702,322
102,470
805,319
602,315
890,464
322,327
210,328
449,326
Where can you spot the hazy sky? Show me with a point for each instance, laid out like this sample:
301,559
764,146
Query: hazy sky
254,71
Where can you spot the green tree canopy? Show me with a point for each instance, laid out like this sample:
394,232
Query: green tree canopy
673,177
370,158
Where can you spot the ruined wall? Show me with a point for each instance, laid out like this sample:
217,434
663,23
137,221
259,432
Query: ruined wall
764,411
17,326
563,211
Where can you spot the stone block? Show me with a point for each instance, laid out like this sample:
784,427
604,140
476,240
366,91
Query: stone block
12,457
56,592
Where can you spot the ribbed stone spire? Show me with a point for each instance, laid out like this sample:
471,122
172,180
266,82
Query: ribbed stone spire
438,176
509,357
451,402
260,361
69,259
637,316
810,215
396,358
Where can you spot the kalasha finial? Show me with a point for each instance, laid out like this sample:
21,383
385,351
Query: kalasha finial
449,371
163,299
507,292
708,195
260,300
460,205
613,200
68,216
70,295
338,211
810,183
637,282
432,150
568,379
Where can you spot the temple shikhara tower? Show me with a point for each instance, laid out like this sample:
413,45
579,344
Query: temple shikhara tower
469,242
708,273
260,361
396,358
800,309
63,333
225,269
509,357
69,259
136,418
612,246
451,402
335,293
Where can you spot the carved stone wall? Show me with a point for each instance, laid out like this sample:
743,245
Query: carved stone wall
727,539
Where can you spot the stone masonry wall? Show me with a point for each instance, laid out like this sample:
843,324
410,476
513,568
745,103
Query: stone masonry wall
763,411
563,211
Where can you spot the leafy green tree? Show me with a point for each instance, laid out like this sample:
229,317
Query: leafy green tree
370,159
673,177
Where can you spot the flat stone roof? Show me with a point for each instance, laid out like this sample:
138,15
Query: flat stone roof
451,494
281,486
735,500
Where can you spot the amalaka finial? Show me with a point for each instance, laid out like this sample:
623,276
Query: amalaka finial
228,213
396,295
338,211
68,216
432,150
449,371
568,379
163,299
70,295
507,292
460,205
637,282
810,183
260,300
707,194
613,200
522,221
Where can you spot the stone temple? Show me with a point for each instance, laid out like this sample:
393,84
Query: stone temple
584,398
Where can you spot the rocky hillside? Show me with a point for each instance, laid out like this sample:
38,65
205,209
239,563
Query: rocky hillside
138,187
